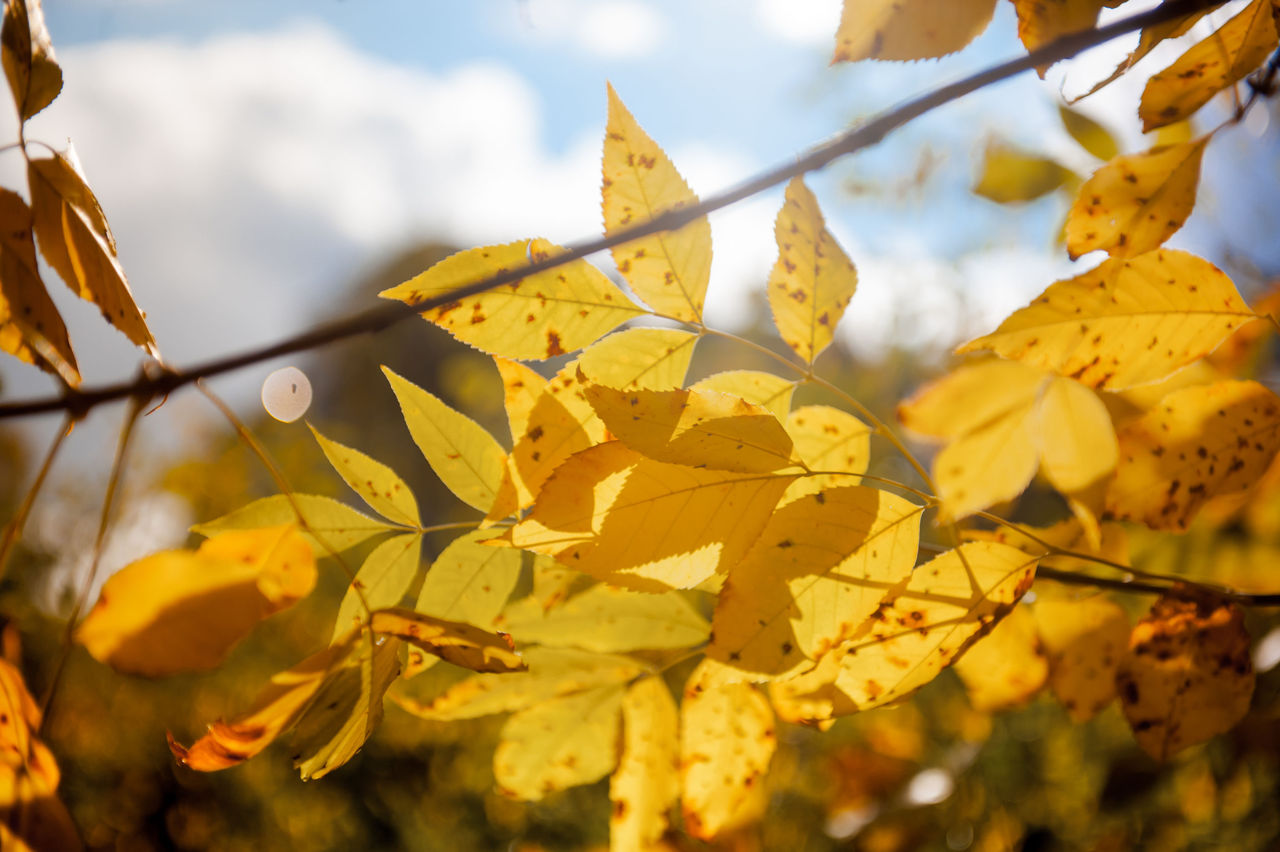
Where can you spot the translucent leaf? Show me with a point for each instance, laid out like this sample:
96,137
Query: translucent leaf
1224,58
1187,676
813,279
670,270
1125,322
461,644
914,29
34,76
1078,442
385,576
1136,202
467,459
1085,641
540,316
631,521
1005,668
727,740
470,581
948,603
31,328
690,427
647,781
639,359
827,439
1010,175
327,523
182,611
1089,134
1041,23
552,672
1151,36
819,570
75,239
521,386
379,486
560,743
1197,443
764,389
609,619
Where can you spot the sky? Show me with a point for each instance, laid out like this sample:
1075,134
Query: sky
255,158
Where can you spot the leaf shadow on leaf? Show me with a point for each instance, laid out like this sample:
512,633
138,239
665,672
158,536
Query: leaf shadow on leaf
553,434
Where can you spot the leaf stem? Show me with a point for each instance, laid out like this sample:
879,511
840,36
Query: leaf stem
13,532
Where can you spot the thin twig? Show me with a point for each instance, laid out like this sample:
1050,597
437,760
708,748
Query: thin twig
13,532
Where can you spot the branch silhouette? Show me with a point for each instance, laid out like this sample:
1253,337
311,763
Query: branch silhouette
153,384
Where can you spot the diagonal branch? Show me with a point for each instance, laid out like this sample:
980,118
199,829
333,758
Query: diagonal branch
871,132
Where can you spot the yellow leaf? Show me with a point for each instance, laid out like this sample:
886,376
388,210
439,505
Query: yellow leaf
819,570
948,603
521,387
647,781
1134,203
813,279
76,240
1005,668
325,522
827,439
670,270
1197,443
1078,443
31,328
763,389
631,521
914,29
1151,36
1042,22
1224,58
560,743
379,486
385,576
552,672
1085,640
609,619
182,611
461,644
34,76
1187,676
727,740
540,316
470,580
695,428
1010,175
467,459
1125,322
1090,135
639,359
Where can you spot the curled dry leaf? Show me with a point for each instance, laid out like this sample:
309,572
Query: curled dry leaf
34,76
461,644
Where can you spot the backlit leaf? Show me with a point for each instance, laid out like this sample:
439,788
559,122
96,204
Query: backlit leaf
1136,202
540,316
631,521
647,781
560,424
521,387
1005,668
461,644
820,569
182,611
1197,443
1224,58
560,743
608,619
324,521
702,428
1078,442
470,581
1187,675
764,389
379,486
670,270
383,579
914,29
827,439
1125,322
813,279
639,359
34,76
1042,22
1151,36
1085,641
1090,135
1010,175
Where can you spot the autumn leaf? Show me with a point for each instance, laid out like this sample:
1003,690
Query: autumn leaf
1042,22
813,279
1187,675
1089,134
647,781
461,644
34,76
670,270
1224,58
727,739
1007,667
1197,443
1134,203
1085,641
1010,175
764,389
182,611
384,578
628,520
378,485
914,29
608,619
324,522
1150,38
1125,322
470,581
521,387
540,316
830,440
639,359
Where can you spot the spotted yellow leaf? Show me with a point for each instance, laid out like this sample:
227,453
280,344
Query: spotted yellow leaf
379,486
540,316
470,580
1136,202
1010,175
914,29
1125,322
813,279
830,441
31,328
628,520
324,522
608,619
1198,443
383,579
639,359
647,781
560,423
1007,667
1085,641
461,644
764,389
1042,22
521,387
1222,59
669,271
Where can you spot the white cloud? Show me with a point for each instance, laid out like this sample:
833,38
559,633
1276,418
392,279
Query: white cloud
803,21
614,29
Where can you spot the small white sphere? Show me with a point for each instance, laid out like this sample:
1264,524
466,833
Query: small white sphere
286,394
